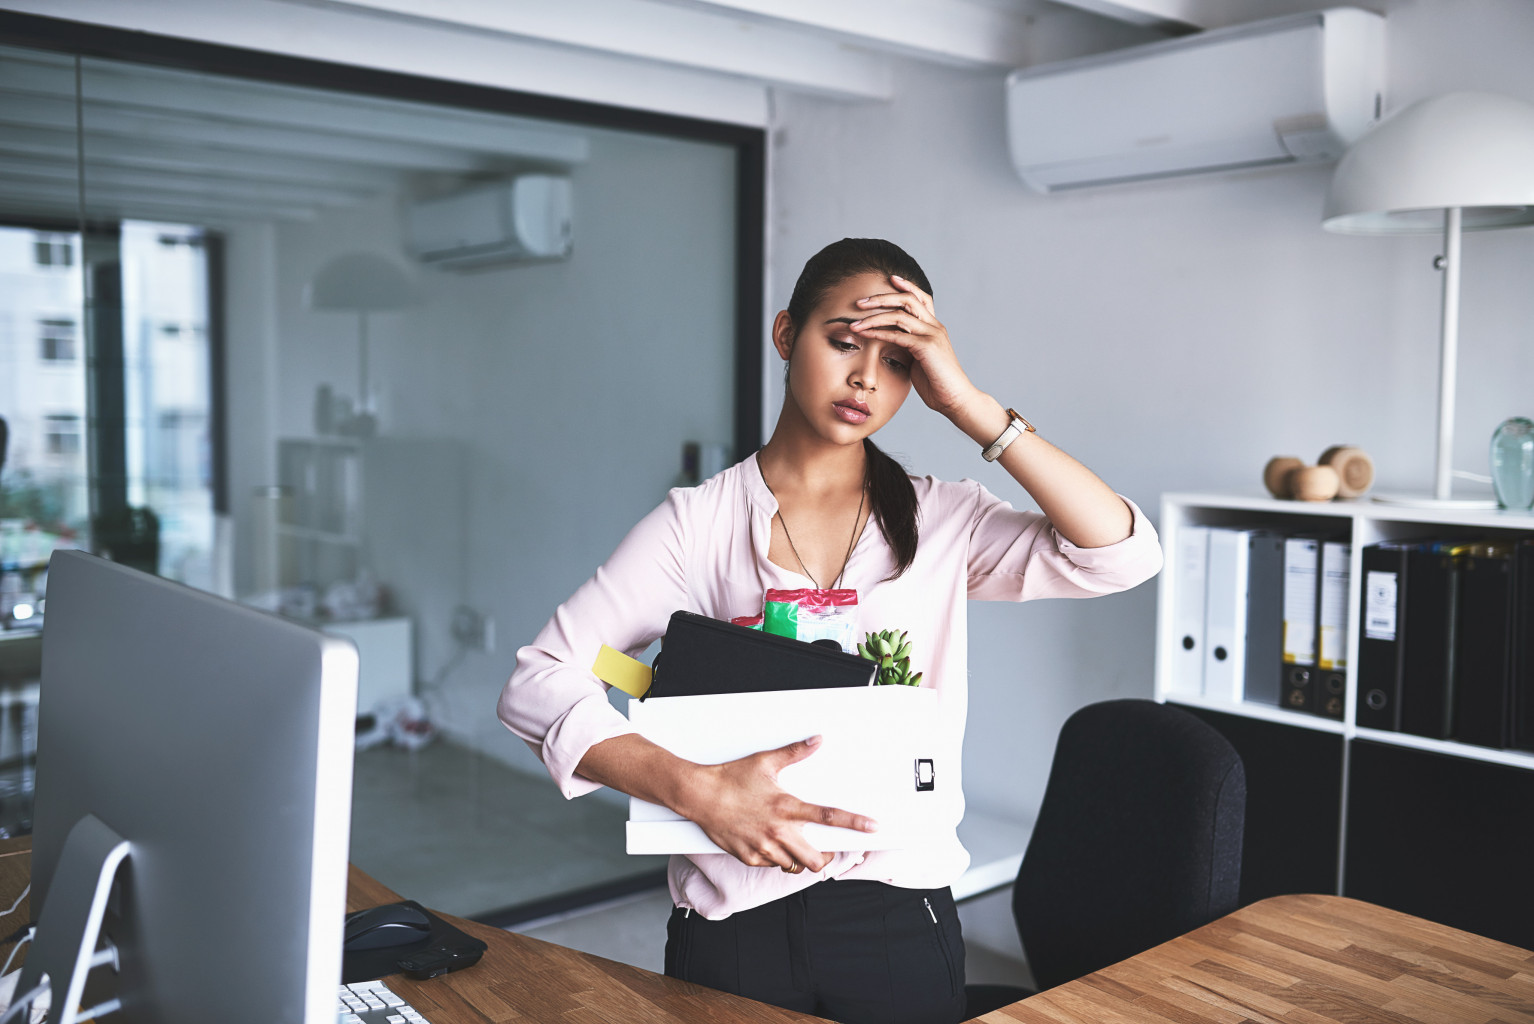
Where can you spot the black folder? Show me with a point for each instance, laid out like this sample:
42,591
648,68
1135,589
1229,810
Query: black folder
1382,647
1483,658
1523,647
1432,621
1331,693
702,655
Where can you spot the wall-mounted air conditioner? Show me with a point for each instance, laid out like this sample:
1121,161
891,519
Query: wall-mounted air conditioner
526,218
1296,88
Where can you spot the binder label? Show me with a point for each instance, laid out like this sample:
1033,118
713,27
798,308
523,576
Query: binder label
1333,643
1300,558
1380,605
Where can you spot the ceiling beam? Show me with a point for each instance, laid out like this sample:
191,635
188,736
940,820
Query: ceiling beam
1167,15
662,33
948,31
146,155
335,114
46,112
104,204
185,183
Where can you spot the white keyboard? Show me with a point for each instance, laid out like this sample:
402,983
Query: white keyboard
371,1002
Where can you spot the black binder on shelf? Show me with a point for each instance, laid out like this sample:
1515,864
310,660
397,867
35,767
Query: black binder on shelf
1331,693
1431,623
1382,648
1264,617
1332,628
1522,711
1483,658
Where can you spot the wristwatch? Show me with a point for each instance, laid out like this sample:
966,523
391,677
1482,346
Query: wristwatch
1014,430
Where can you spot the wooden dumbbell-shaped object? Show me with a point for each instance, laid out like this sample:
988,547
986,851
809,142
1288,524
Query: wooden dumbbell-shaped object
1313,483
1275,475
1355,470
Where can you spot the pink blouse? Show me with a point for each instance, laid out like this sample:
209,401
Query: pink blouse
705,550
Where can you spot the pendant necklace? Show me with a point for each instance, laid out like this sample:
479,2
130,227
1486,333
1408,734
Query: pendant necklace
851,542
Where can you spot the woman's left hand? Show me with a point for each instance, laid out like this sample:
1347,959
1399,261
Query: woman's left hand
906,318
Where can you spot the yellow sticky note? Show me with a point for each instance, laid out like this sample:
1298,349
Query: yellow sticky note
617,669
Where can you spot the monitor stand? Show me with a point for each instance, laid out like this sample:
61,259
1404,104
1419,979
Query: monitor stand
70,924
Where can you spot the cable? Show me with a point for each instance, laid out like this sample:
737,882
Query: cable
24,1002
18,933
26,939
23,896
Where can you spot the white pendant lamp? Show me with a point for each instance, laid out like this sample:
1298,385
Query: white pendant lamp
1463,161
361,283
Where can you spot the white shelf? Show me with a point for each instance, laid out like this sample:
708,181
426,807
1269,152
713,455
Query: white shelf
1358,510
1468,751
1251,709
324,536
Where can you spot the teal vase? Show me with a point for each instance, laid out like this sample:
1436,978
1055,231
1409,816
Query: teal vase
1512,463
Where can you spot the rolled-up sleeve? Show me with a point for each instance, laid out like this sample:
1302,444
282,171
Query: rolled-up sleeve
1019,556
552,701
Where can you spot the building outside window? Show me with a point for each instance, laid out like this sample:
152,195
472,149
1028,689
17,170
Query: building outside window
58,340
53,250
61,434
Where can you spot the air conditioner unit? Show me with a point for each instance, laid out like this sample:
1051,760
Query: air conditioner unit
524,219
1297,88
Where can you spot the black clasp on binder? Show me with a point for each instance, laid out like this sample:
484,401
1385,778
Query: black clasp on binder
926,779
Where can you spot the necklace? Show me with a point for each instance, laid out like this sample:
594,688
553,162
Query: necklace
850,542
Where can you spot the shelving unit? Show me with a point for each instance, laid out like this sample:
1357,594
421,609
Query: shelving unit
1360,811
323,517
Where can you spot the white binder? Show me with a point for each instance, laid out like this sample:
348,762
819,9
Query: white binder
1336,567
1301,563
878,756
1225,614
1192,554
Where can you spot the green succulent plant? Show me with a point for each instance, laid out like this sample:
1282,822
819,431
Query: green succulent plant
893,654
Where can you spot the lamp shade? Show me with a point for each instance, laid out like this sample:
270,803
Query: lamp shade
359,282
1471,150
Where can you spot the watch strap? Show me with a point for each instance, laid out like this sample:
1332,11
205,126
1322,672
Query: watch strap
1015,429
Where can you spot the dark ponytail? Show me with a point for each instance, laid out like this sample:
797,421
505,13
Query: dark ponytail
891,498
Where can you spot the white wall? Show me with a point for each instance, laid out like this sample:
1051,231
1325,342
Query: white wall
1172,336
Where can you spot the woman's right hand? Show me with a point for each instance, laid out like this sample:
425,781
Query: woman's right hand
742,809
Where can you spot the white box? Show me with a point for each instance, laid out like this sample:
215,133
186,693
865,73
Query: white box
874,739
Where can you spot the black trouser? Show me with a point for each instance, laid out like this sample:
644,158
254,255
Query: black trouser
858,952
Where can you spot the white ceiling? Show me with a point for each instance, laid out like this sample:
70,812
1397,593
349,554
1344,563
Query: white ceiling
170,144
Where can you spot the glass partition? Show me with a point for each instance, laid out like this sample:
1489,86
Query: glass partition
397,367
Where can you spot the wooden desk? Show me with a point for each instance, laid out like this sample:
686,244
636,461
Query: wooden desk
1286,960
519,979
1309,959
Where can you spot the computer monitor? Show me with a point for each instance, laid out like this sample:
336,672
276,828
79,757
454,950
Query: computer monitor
216,741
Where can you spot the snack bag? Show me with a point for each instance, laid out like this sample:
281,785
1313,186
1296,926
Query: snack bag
749,621
811,615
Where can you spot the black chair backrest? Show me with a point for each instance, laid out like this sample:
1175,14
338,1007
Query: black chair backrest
1138,839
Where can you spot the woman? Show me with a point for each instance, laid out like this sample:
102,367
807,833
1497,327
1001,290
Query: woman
850,936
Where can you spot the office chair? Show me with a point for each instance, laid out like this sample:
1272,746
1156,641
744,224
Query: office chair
1138,841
